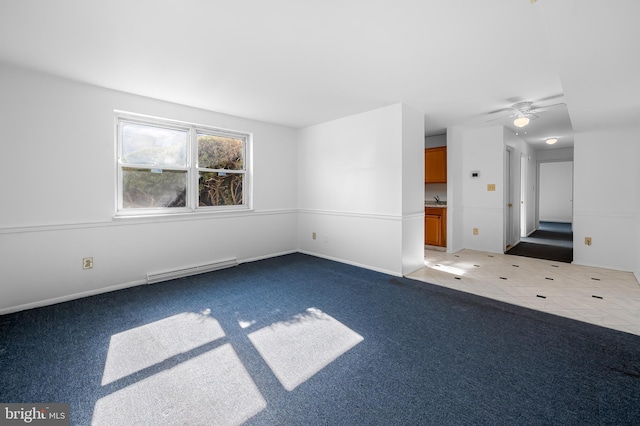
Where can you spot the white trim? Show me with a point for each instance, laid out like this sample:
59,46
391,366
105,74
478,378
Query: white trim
155,119
359,265
191,168
156,277
268,256
352,214
597,265
606,214
74,296
414,216
144,220
198,215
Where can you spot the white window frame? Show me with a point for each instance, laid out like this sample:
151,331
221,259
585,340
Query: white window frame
192,168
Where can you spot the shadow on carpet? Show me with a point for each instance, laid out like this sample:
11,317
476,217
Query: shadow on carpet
542,251
302,340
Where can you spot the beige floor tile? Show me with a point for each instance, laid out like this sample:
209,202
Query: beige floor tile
630,303
568,289
540,304
627,328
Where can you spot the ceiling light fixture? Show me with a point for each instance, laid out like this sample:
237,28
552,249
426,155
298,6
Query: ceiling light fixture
521,121
551,141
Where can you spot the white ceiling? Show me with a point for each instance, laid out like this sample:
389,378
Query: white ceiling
300,63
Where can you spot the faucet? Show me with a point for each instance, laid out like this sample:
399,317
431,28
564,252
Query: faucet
437,199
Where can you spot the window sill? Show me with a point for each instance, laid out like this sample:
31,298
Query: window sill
154,217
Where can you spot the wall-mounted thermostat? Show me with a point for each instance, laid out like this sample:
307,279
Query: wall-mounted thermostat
475,174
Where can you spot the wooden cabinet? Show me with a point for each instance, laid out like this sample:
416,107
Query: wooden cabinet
435,226
435,165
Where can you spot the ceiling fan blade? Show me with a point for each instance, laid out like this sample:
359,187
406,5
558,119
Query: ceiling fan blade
503,110
544,108
502,117
559,96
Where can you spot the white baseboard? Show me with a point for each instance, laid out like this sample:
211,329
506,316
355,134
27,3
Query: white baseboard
68,297
268,256
74,296
359,265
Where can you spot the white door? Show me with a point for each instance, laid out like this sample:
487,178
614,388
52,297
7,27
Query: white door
511,216
523,195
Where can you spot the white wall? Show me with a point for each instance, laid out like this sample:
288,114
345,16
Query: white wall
435,141
58,194
556,154
432,190
359,183
483,151
412,190
606,198
556,191
636,260
455,179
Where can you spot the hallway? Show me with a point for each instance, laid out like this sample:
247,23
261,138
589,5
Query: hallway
552,241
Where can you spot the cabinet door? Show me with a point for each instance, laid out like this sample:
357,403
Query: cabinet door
433,230
435,165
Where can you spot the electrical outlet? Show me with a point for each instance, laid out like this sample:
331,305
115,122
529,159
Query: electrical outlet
491,187
87,263
587,241
313,235
475,231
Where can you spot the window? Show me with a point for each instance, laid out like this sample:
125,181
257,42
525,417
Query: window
173,167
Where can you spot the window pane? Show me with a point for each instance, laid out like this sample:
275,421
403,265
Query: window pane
144,188
219,152
143,144
220,189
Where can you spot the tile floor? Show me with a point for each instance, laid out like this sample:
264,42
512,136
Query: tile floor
598,296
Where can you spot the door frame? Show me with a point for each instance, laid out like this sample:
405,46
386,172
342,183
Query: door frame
511,209
523,194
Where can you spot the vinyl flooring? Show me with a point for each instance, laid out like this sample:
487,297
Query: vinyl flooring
598,296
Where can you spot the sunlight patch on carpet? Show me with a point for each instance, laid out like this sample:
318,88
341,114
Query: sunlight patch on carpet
142,347
297,349
211,389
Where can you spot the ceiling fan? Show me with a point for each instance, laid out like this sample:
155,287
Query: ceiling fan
522,112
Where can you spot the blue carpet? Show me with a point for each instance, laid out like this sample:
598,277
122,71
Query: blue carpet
552,233
542,251
425,355
552,241
561,227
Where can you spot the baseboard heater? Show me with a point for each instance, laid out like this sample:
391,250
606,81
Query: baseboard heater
156,277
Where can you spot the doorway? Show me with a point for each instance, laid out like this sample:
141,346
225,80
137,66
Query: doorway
553,237
552,241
